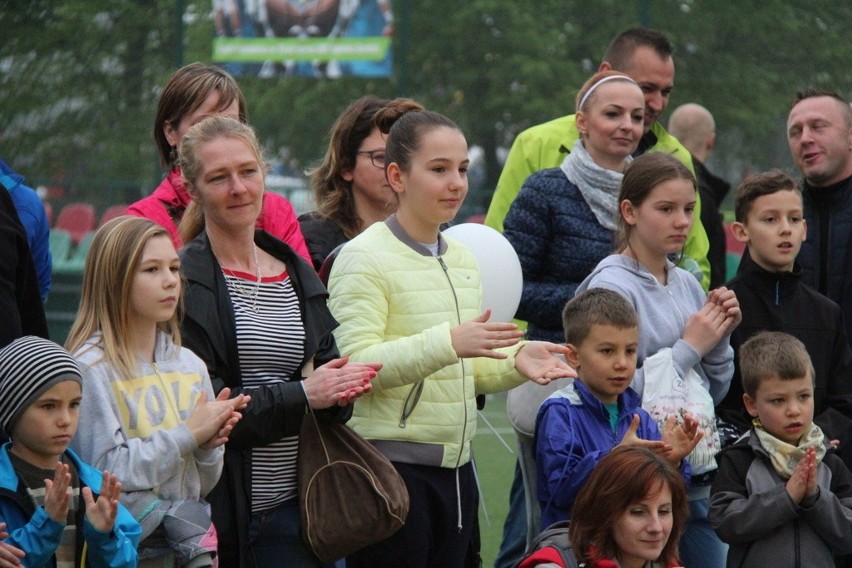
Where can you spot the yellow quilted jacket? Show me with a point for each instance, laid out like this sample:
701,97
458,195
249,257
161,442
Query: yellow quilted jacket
396,304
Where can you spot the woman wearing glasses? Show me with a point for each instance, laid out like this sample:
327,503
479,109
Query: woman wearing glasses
349,186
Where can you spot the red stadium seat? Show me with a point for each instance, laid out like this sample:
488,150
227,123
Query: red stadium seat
112,212
77,219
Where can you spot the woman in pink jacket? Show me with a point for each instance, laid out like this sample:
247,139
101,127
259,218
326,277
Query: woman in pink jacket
193,93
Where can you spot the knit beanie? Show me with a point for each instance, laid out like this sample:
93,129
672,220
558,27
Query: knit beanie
29,366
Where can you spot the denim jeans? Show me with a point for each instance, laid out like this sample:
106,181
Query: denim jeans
700,547
274,539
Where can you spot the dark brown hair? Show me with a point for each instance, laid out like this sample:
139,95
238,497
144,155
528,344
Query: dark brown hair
405,135
640,178
758,185
187,90
332,193
624,477
620,52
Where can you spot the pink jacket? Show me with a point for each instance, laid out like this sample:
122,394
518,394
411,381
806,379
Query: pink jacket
166,206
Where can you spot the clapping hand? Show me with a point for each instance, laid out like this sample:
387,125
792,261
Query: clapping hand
56,493
542,362
803,482
682,438
102,513
479,337
10,556
339,382
229,418
631,438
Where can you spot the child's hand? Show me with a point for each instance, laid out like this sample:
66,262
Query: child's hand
803,480
632,439
727,300
479,338
10,556
237,403
812,487
209,417
706,327
102,513
542,362
682,438
56,494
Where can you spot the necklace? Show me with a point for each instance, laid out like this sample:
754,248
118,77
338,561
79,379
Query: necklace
241,288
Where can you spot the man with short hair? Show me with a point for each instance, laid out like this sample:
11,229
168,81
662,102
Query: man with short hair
819,134
643,54
694,127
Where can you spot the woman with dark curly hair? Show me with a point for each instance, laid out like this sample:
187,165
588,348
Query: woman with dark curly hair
349,186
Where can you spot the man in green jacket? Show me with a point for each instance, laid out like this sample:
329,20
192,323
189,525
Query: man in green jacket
646,56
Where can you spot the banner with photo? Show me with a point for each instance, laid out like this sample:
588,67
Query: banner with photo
306,38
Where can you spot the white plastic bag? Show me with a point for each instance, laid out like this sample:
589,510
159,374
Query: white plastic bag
668,394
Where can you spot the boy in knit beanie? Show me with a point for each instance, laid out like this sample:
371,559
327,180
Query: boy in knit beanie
41,481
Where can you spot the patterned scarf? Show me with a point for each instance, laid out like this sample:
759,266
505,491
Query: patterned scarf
598,186
785,457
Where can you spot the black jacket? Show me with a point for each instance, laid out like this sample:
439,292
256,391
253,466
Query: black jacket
321,235
779,301
275,411
713,190
826,255
20,298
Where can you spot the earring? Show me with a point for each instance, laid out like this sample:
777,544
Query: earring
173,155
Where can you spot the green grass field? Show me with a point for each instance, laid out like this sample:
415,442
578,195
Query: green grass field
496,467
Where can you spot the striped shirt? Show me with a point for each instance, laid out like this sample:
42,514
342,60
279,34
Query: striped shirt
270,342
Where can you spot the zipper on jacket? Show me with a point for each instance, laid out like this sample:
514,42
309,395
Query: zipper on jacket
464,400
461,361
410,403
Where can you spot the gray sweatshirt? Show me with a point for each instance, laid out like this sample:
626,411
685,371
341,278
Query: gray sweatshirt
663,311
136,429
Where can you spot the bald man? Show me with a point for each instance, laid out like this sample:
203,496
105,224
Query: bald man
694,127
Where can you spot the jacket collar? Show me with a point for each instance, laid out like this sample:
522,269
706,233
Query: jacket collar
838,192
393,224
774,284
627,401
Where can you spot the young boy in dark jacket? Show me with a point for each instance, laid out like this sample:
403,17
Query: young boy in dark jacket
781,497
769,218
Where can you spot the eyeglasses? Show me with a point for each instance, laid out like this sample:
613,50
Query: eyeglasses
377,157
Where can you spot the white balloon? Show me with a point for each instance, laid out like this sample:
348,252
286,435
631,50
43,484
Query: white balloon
499,268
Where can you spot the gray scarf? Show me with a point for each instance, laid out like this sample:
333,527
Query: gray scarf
598,186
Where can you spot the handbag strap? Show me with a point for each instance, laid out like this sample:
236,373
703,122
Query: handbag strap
309,412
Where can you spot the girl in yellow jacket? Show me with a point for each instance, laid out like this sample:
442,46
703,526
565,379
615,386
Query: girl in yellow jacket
409,297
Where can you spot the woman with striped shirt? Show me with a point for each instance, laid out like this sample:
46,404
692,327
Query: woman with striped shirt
256,314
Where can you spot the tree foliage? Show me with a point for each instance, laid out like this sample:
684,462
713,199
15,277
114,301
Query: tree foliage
79,80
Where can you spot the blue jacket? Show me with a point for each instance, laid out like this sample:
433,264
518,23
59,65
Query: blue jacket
559,242
31,213
33,531
572,435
